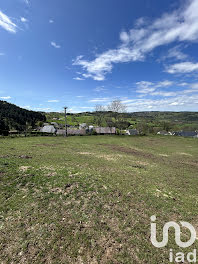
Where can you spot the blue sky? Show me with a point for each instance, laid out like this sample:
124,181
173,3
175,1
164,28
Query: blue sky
79,53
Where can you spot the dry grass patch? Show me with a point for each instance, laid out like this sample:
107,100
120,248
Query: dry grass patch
24,168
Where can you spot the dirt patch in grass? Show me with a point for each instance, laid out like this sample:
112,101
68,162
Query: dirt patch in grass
159,193
66,189
109,157
46,145
184,154
4,156
163,155
51,174
24,168
190,163
25,157
86,153
131,151
136,166
103,156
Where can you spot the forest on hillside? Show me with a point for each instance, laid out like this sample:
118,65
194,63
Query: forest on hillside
14,117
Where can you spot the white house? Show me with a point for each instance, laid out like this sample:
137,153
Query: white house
48,129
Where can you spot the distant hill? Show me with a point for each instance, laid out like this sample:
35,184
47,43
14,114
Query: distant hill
14,117
155,120
168,116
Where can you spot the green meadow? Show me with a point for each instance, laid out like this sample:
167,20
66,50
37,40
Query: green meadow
89,199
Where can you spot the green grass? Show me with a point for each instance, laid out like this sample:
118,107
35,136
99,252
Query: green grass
89,199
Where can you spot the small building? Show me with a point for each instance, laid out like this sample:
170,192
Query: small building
132,132
60,132
90,129
164,133
74,132
54,124
13,132
186,134
83,126
48,129
105,130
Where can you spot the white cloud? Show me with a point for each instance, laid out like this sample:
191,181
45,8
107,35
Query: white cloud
80,96
53,101
183,84
24,20
193,88
43,109
26,107
78,79
100,89
51,21
77,109
178,103
68,68
140,22
86,107
145,87
7,24
165,83
165,94
180,25
27,2
183,67
2,54
99,100
124,37
103,64
150,88
55,45
175,53
5,97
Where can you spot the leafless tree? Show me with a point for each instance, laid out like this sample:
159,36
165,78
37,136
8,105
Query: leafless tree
100,108
117,106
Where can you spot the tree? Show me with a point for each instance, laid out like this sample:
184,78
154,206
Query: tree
100,108
110,122
166,126
3,128
143,128
99,120
15,117
122,124
117,106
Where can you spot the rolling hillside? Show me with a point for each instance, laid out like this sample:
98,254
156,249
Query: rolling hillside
155,119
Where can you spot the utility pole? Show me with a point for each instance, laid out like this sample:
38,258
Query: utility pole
65,121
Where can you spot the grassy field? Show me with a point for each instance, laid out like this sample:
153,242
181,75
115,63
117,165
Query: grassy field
90,199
